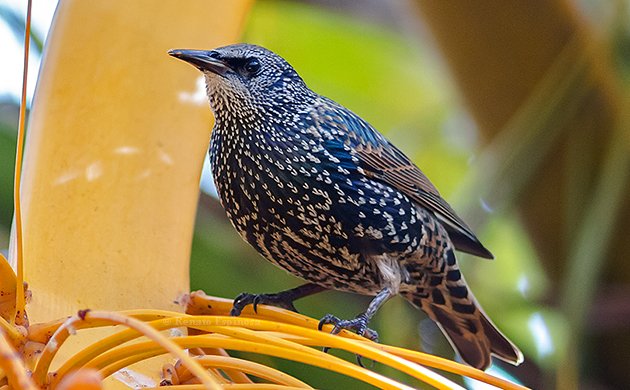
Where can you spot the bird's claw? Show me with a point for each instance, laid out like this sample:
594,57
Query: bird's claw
358,325
279,300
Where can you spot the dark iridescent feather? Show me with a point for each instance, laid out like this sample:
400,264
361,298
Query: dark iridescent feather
384,161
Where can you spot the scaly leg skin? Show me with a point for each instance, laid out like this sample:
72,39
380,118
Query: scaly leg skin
359,324
283,299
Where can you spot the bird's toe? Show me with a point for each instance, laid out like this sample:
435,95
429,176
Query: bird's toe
240,302
358,325
282,300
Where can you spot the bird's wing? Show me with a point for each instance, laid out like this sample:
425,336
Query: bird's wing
383,161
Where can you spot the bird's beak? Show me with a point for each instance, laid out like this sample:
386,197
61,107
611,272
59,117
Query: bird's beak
201,60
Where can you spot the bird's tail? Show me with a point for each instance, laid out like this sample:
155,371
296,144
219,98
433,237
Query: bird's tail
460,317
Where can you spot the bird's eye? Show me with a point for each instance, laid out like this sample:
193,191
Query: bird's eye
252,66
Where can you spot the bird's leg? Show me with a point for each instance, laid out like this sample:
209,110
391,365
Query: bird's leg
282,299
359,324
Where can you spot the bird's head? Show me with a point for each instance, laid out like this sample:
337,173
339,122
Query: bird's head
242,76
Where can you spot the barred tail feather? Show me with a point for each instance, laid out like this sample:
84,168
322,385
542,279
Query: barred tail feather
467,327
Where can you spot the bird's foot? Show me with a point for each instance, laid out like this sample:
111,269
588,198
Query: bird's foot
282,299
359,325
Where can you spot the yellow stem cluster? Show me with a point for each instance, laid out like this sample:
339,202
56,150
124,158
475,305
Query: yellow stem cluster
12,367
272,331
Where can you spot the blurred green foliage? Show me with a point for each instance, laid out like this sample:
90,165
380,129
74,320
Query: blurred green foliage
7,162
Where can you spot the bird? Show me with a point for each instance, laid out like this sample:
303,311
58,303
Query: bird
319,192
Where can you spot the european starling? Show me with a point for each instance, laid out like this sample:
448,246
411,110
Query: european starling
322,194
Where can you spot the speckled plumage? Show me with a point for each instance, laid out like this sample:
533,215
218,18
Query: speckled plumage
320,193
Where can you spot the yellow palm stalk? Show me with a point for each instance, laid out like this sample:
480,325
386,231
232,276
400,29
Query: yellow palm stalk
113,156
114,153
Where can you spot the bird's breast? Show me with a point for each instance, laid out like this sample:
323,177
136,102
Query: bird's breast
300,200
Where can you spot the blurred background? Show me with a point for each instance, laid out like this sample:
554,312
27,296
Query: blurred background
518,113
